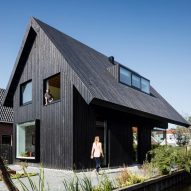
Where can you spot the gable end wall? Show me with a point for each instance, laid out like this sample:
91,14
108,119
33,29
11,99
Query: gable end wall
56,120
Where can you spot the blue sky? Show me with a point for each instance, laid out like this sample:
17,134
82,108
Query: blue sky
152,37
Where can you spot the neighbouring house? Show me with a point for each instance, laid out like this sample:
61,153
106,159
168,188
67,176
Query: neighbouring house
159,135
6,122
92,95
6,130
170,138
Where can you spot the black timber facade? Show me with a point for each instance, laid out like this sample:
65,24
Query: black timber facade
90,95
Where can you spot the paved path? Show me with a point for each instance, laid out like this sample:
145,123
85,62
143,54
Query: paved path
54,178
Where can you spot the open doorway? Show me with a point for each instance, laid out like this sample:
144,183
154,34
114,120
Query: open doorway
135,144
101,131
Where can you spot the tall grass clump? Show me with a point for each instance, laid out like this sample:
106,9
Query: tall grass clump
32,186
85,184
127,178
72,184
105,184
149,169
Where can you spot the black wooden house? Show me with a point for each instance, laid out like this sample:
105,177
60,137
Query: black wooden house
92,95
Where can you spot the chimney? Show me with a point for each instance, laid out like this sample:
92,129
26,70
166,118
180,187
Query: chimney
111,59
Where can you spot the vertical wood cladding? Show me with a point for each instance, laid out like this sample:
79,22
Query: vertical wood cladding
56,119
144,141
114,70
119,134
121,142
67,127
84,131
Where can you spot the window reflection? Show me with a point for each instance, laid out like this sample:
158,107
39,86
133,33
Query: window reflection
136,81
26,140
125,76
26,93
145,86
130,78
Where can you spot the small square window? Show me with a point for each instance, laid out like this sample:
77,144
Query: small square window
26,93
6,139
52,89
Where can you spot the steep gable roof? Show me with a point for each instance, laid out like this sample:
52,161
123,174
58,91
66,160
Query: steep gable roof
6,113
92,69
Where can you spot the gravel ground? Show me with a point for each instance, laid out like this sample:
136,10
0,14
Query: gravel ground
54,178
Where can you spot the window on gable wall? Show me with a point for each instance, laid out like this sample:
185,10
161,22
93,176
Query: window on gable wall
26,93
52,89
25,138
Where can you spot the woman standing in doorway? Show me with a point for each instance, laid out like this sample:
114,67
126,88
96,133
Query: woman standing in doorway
97,152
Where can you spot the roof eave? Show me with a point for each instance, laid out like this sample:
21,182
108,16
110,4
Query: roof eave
14,78
139,113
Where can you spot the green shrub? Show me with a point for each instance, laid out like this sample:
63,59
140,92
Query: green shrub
168,159
164,158
105,184
184,159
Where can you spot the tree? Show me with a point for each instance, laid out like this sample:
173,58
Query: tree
189,120
182,135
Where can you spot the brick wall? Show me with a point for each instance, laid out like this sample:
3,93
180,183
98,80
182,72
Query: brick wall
5,129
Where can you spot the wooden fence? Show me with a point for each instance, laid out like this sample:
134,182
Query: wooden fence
6,153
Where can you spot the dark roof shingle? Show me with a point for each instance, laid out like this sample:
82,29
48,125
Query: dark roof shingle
92,69
93,65
6,113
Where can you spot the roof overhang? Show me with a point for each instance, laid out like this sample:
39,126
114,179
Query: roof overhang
163,121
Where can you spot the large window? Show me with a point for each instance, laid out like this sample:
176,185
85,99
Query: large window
26,140
125,76
26,93
136,81
52,89
145,85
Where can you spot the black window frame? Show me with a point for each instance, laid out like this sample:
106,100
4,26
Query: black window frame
44,88
142,78
120,78
133,73
21,93
37,142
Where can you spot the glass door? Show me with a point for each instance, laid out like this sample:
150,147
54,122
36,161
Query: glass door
101,131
